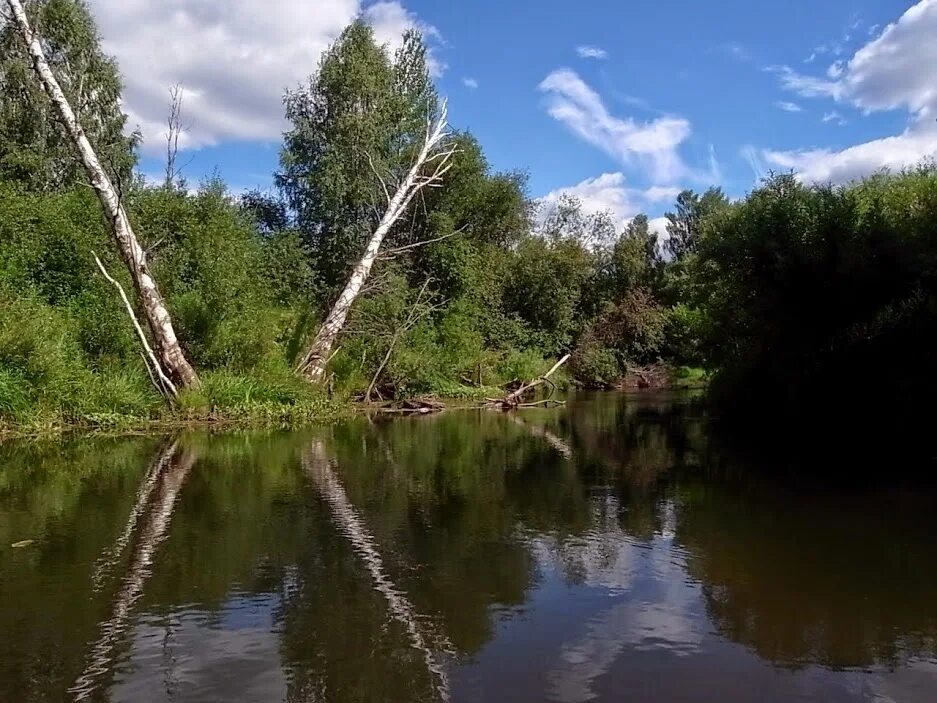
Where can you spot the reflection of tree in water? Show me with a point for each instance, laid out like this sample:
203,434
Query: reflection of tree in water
813,578
146,528
317,465
69,496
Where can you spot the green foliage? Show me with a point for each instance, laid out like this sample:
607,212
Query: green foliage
596,366
686,224
361,115
815,287
34,149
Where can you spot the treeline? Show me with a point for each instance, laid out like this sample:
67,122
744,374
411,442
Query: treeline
473,287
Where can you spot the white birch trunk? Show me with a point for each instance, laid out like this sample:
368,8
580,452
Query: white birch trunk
317,356
170,354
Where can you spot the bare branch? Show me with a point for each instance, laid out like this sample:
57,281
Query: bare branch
165,386
393,252
378,176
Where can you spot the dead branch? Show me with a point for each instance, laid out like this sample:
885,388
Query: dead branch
512,400
415,315
393,252
153,367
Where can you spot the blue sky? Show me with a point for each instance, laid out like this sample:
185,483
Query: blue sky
620,102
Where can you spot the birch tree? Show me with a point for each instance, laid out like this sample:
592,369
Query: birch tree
171,359
430,165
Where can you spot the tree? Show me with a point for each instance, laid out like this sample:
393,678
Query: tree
635,260
434,155
684,226
363,114
33,149
170,368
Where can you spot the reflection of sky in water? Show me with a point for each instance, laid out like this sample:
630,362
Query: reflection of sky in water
186,655
613,618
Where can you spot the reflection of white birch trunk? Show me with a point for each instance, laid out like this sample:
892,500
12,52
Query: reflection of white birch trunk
553,440
434,151
110,558
171,357
316,464
174,467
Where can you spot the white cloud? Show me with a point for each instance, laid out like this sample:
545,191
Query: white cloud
591,52
605,193
470,83
652,144
658,225
895,71
610,193
391,20
657,194
788,106
754,158
825,165
836,69
234,58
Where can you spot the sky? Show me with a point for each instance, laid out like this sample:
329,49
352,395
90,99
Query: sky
622,103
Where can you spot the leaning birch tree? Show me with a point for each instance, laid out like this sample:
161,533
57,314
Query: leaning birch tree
427,170
170,357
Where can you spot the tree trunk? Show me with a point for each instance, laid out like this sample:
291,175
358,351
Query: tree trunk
317,356
170,354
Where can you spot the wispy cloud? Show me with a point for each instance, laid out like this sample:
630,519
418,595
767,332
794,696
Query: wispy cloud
470,83
754,159
788,106
653,144
834,116
609,193
591,52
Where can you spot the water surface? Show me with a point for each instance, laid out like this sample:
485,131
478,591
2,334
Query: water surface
599,552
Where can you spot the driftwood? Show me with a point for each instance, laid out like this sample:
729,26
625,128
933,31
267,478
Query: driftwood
513,400
415,406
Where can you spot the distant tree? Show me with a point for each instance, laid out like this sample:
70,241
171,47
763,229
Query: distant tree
684,225
636,259
34,149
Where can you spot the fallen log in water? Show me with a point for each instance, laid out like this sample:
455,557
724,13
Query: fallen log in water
513,400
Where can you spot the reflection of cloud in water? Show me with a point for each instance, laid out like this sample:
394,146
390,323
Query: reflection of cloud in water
655,606
192,655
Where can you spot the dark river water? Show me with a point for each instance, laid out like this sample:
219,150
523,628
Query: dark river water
598,552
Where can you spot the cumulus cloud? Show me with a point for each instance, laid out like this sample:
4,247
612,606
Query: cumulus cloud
591,52
609,193
825,165
897,70
233,58
653,144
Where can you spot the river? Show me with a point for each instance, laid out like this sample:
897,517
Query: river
603,551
